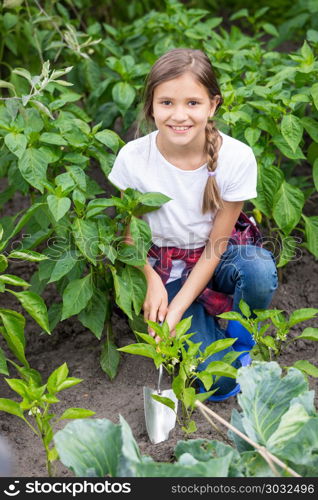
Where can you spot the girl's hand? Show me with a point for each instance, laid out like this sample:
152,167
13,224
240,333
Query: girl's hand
156,301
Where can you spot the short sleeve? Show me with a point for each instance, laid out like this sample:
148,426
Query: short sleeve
243,183
120,174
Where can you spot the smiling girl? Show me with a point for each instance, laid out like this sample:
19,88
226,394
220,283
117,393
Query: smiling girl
195,266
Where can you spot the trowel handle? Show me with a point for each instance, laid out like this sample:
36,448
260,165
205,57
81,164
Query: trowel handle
159,379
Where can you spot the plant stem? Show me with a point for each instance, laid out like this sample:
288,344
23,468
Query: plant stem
31,427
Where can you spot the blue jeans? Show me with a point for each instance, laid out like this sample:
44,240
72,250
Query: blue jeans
244,271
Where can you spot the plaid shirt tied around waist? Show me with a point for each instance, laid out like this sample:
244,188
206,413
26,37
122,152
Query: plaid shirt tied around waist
245,232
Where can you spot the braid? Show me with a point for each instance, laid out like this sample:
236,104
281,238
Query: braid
211,198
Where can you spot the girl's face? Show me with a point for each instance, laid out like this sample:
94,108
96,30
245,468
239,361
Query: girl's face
181,108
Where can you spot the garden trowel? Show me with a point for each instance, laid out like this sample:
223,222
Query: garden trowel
160,419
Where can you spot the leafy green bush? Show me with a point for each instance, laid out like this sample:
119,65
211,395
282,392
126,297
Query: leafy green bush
270,98
48,147
11,322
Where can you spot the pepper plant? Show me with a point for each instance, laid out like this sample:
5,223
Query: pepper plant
35,407
270,347
12,323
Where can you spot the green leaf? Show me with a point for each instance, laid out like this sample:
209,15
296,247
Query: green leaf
3,363
90,447
183,326
35,306
265,393
302,315
146,338
13,333
165,401
131,254
315,172
28,255
307,367
311,127
288,250
230,315
137,286
11,407
130,453
123,297
57,377
219,368
7,85
69,382
240,13
269,181
86,238
94,315
207,380
309,333
24,219
10,279
16,143
63,266
78,175
314,94
110,139
96,206
52,138
244,307
58,206
252,135
3,263
73,413
150,202
217,346
269,342
290,424
18,386
285,148
110,358
76,296
288,204
141,234
123,95
292,130
270,29
65,181
311,231
189,397
33,165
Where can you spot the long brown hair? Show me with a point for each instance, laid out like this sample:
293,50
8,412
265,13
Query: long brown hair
171,65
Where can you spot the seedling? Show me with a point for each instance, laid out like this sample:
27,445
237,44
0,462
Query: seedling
270,347
181,358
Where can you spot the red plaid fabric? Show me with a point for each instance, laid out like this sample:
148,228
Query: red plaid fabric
245,232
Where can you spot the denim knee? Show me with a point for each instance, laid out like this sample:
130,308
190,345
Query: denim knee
256,270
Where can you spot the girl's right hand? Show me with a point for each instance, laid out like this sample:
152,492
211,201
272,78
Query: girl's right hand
156,301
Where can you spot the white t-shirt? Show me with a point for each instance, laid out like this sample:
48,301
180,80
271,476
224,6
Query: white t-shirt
180,222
